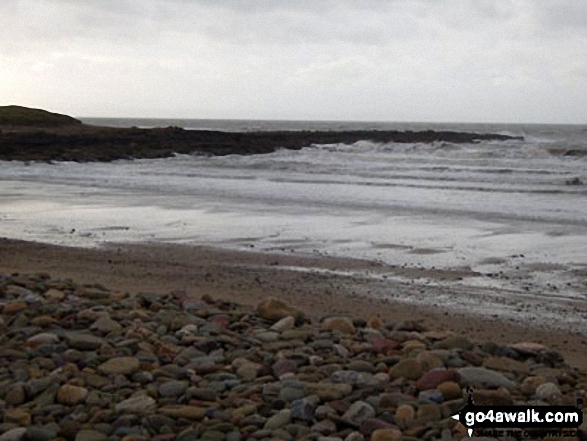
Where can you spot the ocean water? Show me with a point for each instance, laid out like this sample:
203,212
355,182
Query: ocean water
512,213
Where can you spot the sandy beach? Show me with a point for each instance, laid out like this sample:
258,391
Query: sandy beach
319,286
230,221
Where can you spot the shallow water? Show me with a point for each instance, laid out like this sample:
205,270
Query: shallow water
503,209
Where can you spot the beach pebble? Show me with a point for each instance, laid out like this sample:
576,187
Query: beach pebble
18,416
384,345
548,391
454,342
408,368
171,389
83,342
358,412
427,413
99,365
450,390
430,396
375,322
328,391
274,309
324,427
429,361
284,324
433,378
15,434
90,435
45,338
507,364
54,296
404,415
499,397
40,433
137,404
181,411
15,395
120,366
278,420
340,324
528,348
386,435
248,371
355,436
12,308
71,395
484,378
105,325
282,367
529,384
303,409
371,424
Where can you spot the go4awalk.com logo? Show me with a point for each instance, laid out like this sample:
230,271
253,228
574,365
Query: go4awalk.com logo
535,421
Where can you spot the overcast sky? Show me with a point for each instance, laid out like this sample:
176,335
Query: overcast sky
395,60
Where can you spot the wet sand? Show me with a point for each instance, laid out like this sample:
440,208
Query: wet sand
318,285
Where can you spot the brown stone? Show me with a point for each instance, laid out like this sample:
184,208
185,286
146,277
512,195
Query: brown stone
18,416
472,358
384,345
454,342
529,385
341,324
105,325
54,296
413,346
43,320
120,365
394,399
428,413
328,391
506,364
375,323
286,323
15,395
90,435
529,348
434,377
404,415
499,397
273,309
386,435
450,390
408,368
187,412
14,307
429,361
71,395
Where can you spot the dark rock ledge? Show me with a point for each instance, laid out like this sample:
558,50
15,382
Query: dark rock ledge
87,143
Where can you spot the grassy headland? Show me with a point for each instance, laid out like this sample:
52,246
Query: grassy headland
25,116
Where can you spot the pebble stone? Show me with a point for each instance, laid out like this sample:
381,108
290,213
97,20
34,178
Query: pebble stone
80,362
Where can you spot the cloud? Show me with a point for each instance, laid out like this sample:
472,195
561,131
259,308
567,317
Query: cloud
328,59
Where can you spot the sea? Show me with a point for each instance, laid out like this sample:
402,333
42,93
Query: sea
513,213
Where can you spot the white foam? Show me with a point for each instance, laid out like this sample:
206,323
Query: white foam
438,205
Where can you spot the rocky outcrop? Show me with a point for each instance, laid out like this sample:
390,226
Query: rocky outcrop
87,143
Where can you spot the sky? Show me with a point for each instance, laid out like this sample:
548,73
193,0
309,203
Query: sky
517,61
